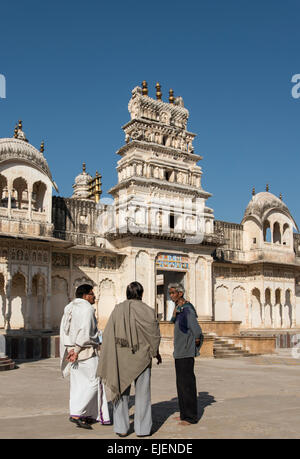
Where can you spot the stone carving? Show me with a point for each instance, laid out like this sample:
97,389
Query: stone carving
84,261
107,263
60,260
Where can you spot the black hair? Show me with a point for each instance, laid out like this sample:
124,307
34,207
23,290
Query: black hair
134,291
83,289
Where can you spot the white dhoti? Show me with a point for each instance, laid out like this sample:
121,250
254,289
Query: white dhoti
87,393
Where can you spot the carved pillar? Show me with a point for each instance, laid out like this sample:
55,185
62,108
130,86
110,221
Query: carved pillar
263,307
48,324
152,281
27,321
209,310
29,215
9,203
191,293
293,302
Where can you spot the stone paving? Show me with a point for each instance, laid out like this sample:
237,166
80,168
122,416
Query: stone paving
244,397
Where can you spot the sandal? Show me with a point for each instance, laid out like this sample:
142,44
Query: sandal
81,423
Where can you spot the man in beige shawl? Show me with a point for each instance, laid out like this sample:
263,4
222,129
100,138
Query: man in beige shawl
131,339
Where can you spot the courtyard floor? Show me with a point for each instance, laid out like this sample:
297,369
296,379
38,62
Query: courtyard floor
245,397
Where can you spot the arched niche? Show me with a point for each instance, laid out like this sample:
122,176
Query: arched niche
38,196
18,301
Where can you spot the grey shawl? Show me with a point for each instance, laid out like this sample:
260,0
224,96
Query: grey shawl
130,339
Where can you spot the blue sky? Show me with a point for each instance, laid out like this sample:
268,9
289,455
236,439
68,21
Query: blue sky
70,67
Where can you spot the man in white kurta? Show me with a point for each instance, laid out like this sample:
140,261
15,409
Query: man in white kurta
79,354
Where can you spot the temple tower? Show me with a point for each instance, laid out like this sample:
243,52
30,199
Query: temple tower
159,182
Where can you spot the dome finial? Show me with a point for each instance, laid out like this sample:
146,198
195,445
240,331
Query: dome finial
16,132
158,91
83,167
144,88
171,96
42,147
280,196
267,187
253,191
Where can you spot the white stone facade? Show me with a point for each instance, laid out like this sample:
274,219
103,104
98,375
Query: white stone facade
157,229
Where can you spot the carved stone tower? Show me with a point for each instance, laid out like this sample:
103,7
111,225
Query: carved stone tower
159,182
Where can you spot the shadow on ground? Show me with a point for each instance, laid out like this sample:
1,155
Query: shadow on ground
162,411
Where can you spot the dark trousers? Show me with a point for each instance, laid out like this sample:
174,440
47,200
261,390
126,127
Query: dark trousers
186,389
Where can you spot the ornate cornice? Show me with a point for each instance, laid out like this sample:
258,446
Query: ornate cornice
161,185
156,148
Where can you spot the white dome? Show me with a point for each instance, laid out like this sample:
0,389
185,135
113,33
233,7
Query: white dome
20,150
82,185
262,203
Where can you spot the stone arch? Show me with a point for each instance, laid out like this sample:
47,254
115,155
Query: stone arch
287,313
20,193
268,309
3,191
17,312
278,308
139,216
256,308
286,235
59,299
276,233
222,303
207,226
107,300
38,196
267,231
142,262
239,305
38,301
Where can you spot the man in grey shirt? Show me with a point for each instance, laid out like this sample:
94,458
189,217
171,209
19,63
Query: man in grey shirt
188,339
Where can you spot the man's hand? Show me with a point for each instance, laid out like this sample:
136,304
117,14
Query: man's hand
159,359
197,341
72,356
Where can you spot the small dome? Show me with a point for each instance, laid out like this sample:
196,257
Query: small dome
82,185
83,178
263,202
20,150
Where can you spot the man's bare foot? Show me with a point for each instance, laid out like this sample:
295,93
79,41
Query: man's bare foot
185,423
177,418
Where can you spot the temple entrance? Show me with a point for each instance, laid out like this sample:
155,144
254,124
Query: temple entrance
164,304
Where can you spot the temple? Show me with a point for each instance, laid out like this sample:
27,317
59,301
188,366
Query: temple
243,278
